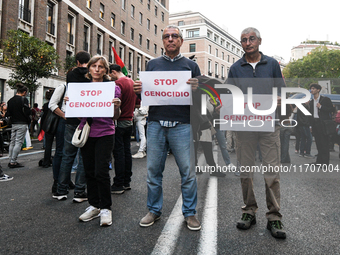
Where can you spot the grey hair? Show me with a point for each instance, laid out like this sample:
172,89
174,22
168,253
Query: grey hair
175,27
250,30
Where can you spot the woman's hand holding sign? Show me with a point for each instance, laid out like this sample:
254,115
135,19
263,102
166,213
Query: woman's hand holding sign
194,83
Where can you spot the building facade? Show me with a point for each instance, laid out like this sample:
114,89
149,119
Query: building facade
132,27
305,48
214,49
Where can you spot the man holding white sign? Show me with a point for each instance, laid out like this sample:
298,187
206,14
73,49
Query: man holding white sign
169,126
262,74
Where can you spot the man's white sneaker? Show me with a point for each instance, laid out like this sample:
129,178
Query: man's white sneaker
140,154
105,217
90,213
5,178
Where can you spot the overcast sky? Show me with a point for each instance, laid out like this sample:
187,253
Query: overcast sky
282,25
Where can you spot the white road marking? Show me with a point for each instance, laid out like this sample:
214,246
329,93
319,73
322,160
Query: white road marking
208,240
166,242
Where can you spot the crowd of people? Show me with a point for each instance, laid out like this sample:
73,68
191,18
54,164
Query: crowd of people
169,127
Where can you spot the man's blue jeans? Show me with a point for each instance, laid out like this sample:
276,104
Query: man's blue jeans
179,139
69,154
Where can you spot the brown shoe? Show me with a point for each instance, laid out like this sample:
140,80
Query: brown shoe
193,223
149,219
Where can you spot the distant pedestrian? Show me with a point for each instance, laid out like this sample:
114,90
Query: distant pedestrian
19,111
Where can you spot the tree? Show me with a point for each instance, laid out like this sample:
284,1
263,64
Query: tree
321,63
30,58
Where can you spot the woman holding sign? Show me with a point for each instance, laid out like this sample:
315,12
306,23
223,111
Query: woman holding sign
98,150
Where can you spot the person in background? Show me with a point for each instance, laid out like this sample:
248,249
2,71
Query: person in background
97,152
4,177
19,112
36,112
70,151
122,148
140,115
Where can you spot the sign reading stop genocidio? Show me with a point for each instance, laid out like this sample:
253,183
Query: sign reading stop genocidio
93,99
165,88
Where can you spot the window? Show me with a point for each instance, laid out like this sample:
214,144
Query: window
147,44
209,34
209,67
222,42
163,2
50,27
181,23
156,10
155,29
132,34
192,47
130,66
162,51
140,18
215,38
216,70
123,4
148,24
209,49
139,63
122,28
140,39
99,44
193,33
155,48
222,72
216,52
228,45
228,58
132,11
233,60
110,52
233,48
24,10
222,56
113,19
101,11
86,46
148,4
163,16
70,29
89,4
122,53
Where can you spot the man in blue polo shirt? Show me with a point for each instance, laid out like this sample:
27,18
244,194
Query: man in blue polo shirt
169,126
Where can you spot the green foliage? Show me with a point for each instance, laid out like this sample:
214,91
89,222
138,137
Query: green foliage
70,61
30,57
320,64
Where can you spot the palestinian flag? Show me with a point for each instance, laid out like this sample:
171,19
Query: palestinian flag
119,62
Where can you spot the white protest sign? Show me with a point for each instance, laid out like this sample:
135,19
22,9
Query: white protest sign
249,121
93,99
165,88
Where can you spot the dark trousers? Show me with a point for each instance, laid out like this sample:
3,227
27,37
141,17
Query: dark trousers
97,155
322,143
58,148
122,156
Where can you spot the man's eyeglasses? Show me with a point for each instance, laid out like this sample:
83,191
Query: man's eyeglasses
251,39
173,36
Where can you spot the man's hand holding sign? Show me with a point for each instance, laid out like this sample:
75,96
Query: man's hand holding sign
166,87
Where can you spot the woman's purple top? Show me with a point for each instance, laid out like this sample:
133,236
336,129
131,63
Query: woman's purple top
102,126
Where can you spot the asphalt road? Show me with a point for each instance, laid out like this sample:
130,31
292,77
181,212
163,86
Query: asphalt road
31,222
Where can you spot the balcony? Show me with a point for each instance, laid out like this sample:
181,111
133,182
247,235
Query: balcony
216,75
50,27
209,73
24,14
